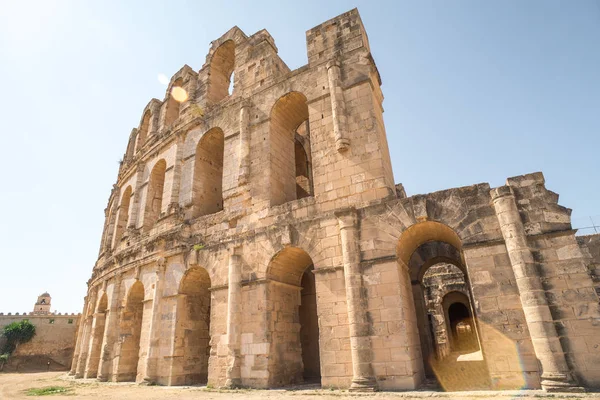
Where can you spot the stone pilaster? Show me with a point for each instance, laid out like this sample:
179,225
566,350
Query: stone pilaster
338,105
137,197
174,200
360,343
234,321
546,344
110,333
91,370
244,170
80,335
85,342
154,340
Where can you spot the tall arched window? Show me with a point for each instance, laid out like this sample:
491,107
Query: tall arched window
123,215
288,161
174,101
143,131
208,173
221,71
155,194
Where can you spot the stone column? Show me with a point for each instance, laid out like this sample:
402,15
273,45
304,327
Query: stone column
360,344
80,335
97,325
174,201
112,217
85,341
137,196
244,170
338,105
153,342
87,333
234,325
110,332
547,347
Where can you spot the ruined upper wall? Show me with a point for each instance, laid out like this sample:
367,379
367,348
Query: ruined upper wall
590,247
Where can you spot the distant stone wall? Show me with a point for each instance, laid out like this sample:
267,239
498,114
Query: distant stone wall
54,338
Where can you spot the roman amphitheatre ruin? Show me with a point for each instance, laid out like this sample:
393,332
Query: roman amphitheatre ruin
256,237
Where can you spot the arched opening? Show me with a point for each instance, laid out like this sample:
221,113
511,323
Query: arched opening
432,254
208,173
130,331
222,65
154,195
97,337
304,184
460,324
174,101
123,215
131,143
289,176
192,331
143,131
294,356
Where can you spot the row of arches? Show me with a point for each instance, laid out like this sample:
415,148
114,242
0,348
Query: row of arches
219,86
429,252
290,168
293,290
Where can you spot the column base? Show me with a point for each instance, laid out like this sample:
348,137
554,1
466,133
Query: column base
232,384
553,382
363,385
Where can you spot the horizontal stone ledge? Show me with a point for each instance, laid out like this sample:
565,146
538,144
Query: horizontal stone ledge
551,234
378,260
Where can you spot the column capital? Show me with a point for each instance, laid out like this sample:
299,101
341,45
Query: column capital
347,218
335,62
502,191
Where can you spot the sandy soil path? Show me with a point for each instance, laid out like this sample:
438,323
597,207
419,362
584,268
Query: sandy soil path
14,386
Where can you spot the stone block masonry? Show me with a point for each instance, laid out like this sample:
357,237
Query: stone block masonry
54,340
257,238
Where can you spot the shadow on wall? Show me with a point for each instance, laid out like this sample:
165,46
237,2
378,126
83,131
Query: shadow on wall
31,364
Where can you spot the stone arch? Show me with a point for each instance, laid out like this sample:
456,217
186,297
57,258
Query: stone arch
421,246
142,135
287,115
222,66
173,102
123,217
130,330
463,314
294,352
207,189
154,196
423,232
131,144
304,182
191,345
97,337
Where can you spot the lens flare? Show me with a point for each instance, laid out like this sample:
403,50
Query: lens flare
179,94
162,78
501,368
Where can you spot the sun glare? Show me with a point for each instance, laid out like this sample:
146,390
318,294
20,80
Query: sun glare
179,94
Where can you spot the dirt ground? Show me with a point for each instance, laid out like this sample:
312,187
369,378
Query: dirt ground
14,386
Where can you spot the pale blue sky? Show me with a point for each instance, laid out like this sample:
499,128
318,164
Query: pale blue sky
475,91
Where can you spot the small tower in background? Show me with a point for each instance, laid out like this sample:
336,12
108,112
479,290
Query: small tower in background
42,305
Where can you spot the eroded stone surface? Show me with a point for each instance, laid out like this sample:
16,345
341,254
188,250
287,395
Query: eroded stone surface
237,219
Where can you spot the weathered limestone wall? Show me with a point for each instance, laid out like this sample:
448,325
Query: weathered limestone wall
54,339
367,244
590,246
564,273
